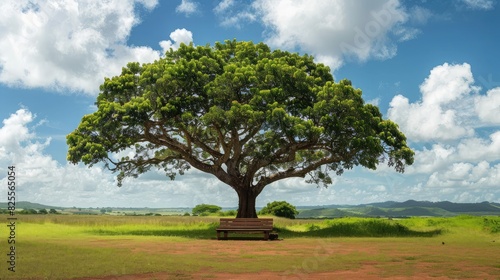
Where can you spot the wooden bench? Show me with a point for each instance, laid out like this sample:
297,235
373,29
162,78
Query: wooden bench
245,225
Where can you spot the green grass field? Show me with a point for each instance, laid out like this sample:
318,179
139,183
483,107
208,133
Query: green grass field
106,247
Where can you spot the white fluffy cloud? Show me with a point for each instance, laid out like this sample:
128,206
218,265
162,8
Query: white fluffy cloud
70,45
476,149
332,30
446,111
39,177
427,161
488,107
470,166
178,36
467,175
461,162
10,143
187,7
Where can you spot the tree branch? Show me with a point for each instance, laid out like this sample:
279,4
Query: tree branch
293,172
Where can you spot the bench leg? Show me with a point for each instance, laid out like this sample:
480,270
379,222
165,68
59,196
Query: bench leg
266,235
218,235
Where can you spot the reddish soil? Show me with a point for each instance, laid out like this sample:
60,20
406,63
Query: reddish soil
379,259
365,273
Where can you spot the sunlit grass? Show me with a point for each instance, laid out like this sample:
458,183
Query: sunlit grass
72,226
109,220
65,246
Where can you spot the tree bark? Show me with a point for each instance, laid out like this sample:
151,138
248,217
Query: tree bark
246,204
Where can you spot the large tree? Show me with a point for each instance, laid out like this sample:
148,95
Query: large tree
248,115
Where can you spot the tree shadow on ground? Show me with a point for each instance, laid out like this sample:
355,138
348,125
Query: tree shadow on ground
360,229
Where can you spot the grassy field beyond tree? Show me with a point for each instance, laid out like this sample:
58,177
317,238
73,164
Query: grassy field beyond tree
167,247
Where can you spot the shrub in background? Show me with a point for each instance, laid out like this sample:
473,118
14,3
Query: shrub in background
280,209
205,209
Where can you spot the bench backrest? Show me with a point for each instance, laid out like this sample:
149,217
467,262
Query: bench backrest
265,223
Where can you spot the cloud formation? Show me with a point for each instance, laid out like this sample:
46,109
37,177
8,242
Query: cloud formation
187,7
39,175
68,47
488,107
445,111
334,30
462,128
178,36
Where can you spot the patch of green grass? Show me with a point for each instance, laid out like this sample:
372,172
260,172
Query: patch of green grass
491,225
111,220
460,227
353,227
204,227
333,228
62,261
61,247
200,232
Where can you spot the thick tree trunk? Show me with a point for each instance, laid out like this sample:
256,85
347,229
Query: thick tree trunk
246,205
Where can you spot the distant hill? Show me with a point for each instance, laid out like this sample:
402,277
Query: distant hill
29,205
402,209
450,206
380,209
325,213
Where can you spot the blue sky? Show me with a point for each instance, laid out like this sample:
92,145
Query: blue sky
431,66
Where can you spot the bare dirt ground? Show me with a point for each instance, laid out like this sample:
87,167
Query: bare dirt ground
341,275
345,259
367,273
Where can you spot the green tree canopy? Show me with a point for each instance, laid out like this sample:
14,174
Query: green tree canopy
280,209
205,208
248,115
29,211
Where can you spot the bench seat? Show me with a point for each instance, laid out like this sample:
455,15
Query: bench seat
245,225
